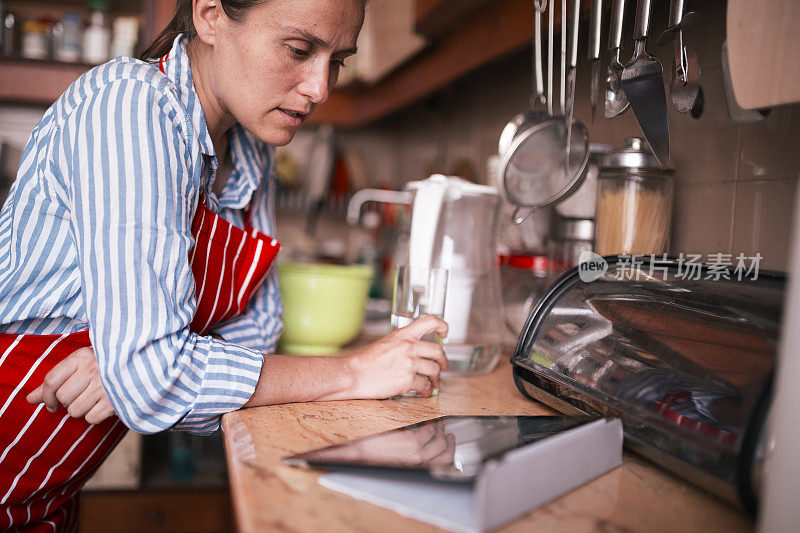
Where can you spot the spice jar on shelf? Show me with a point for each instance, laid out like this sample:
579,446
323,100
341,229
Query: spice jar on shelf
97,34
67,45
126,34
35,41
634,202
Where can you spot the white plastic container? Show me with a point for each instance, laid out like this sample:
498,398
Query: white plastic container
68,47
126,34
34,42
97,38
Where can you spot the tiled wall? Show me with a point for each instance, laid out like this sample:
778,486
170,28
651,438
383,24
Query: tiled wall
735,184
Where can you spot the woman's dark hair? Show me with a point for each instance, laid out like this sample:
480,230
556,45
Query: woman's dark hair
182,23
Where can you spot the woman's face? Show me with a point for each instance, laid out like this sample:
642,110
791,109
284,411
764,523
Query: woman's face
271,69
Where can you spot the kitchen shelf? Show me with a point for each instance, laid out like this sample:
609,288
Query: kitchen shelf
496,29
480,32
114,5
31,81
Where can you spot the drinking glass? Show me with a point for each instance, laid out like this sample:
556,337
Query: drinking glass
418,292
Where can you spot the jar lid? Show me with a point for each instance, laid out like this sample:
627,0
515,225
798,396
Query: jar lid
526,262
637,154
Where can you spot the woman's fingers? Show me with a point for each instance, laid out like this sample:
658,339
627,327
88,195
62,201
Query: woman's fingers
56,378
100,412
435,447
35,396
431,351
74,387
83,403
424,325
399,362
430,370
422,385
69,380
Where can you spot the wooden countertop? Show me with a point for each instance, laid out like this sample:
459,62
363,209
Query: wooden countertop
268,495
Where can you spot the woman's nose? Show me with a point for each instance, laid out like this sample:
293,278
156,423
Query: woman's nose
316,84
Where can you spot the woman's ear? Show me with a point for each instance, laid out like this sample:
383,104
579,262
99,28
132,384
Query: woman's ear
206,15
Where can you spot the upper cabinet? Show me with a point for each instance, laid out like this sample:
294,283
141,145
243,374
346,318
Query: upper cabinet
459,36
388,38
408,50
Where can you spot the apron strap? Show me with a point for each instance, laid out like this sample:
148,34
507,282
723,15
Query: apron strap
161,61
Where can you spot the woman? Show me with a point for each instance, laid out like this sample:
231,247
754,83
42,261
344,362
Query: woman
135,240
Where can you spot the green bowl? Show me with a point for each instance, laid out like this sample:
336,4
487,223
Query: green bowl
323,306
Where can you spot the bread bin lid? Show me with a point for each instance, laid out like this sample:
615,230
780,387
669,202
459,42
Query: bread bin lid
641,340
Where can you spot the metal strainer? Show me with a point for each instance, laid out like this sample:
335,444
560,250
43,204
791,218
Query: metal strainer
534,169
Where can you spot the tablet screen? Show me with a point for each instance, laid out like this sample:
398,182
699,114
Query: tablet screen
449,448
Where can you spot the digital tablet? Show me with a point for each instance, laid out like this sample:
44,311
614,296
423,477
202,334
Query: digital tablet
451,448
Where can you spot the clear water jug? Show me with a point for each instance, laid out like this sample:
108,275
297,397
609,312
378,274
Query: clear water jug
454,226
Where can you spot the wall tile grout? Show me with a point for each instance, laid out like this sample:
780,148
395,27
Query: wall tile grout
738,155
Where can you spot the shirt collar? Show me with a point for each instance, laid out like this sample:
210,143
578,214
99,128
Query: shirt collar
250,155
176,67
250,160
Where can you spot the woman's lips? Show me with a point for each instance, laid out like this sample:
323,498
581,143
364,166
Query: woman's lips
294,118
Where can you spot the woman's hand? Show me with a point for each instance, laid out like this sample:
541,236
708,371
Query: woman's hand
400,362
75,384
396,364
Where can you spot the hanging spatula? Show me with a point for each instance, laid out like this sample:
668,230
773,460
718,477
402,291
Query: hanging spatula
643,83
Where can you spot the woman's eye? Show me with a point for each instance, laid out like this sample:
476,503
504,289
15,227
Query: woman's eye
338,62
298,52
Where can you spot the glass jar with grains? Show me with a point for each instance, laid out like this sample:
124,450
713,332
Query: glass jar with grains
634,202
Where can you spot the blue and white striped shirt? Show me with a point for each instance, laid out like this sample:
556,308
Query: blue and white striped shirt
96,234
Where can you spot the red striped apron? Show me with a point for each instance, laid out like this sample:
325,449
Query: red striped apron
46,457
